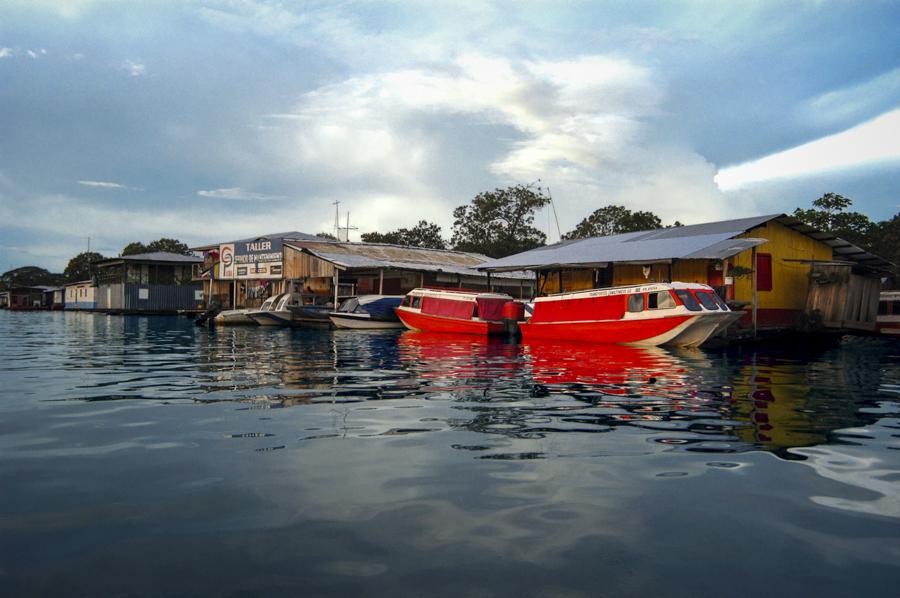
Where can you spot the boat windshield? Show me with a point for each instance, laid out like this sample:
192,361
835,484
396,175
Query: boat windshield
707,301
688,300
349,305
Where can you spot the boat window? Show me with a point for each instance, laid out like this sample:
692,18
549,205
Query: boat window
707,301
688,300
416,302
407,301
349,305
722,305
636,302
660,300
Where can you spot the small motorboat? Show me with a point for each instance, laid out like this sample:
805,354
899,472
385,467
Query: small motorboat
368,312
681,314
231,317
445,310
261,316
295,309
888,319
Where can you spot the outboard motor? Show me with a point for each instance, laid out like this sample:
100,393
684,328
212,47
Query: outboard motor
208,316
513,312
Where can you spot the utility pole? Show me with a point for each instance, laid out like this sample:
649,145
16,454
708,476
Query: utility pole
337,220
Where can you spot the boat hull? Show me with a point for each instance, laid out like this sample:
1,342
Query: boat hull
234,317
679,330
363,322
432,323
270,318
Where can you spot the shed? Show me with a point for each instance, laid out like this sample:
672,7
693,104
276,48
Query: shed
385,269
764,264
80,295
156,282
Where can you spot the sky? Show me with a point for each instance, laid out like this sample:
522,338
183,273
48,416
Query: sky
209,121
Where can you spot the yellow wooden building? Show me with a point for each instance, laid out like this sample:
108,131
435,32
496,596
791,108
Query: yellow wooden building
783,272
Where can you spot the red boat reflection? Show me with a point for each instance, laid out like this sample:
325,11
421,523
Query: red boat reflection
619,369
459,356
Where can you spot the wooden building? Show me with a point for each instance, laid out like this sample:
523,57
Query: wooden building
783,272
80,295
382,269
243,273
157,282
34,297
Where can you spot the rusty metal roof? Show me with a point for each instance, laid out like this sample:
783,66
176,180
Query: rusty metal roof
399,257
711,240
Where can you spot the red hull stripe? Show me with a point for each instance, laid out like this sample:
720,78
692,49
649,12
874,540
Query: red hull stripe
432,323
617,331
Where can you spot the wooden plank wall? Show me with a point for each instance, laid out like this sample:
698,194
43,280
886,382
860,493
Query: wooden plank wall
299,265
842,298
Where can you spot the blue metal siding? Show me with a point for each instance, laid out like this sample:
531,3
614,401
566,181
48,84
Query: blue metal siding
161,297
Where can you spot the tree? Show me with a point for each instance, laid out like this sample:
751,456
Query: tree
424,234
498,223
328,236
614,220
134,248
886,243
828,214
170,246
79,267
29,276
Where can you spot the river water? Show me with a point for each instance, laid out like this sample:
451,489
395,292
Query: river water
147,456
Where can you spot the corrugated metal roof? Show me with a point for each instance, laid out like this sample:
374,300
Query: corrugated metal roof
400,257
154,256
294,235
711,240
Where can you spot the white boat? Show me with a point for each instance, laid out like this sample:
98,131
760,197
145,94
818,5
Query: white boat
295,309
260,316
368,312
231,317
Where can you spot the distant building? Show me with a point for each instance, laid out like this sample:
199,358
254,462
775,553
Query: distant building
80,295
157,282
783,272
33,297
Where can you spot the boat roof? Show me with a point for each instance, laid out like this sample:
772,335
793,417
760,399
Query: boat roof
460,295
710,240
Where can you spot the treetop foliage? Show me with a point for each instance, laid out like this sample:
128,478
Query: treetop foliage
29,276
424,234
79,267
614,220
499,223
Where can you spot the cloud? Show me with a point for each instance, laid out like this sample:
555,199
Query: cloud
584,126
236,193
6,52
870,143
105,185
857,102
135,69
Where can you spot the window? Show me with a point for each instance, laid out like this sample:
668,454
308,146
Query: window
882,308
635,303
416,302
707,300
763,271
660,300
722,305
688,300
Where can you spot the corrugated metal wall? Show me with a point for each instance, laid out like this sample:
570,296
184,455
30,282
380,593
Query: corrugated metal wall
161,297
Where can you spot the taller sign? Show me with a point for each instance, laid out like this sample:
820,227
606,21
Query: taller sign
259,258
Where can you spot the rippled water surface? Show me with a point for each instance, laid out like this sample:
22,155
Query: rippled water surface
146,456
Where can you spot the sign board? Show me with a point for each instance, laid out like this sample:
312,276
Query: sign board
259,258
144,294
226,261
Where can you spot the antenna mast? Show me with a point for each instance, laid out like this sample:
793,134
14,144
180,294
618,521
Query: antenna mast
555,217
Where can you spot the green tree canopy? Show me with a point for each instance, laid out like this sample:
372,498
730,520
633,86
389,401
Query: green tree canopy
424,234
134,248
614,220
499,223
829,213
79,267
29,276
169,245
886,243
327,236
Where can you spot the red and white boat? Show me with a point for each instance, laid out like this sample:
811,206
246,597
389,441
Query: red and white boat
682,314
888,319
445,310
